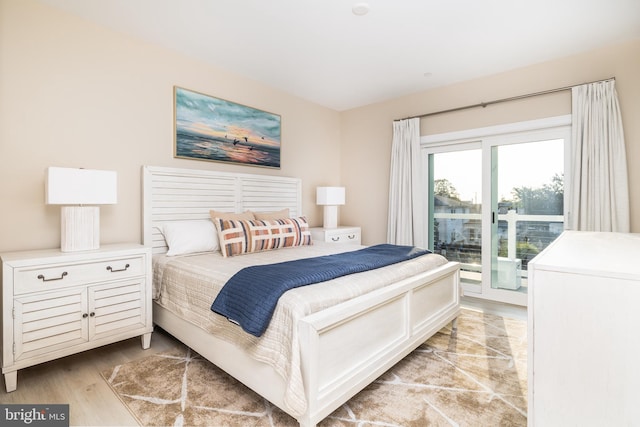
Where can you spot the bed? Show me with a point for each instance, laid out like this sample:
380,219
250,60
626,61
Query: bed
334,348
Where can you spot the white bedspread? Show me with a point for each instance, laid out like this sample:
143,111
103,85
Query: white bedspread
187,286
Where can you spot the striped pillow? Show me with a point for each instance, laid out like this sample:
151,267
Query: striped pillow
246,236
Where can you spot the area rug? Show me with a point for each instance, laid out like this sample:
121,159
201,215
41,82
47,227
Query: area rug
475,377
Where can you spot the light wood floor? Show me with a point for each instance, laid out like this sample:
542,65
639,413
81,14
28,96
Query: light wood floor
76,380
497,308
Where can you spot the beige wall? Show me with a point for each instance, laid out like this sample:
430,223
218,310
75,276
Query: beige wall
367,131
75,94
78,95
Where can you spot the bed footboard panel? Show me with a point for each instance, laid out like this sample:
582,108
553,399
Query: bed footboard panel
372,333
348,346
428,302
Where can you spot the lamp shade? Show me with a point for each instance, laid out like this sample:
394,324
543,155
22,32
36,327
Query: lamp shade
331,196
72,186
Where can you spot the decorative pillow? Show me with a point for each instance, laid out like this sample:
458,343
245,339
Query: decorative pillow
231,215
186,237
245,236
283,213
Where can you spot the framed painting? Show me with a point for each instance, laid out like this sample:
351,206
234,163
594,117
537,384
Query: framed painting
209,128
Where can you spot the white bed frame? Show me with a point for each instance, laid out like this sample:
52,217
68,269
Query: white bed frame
343,348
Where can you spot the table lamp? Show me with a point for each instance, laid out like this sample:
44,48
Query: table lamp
330,198
75,188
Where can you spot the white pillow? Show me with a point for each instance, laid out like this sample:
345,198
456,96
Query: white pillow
187,237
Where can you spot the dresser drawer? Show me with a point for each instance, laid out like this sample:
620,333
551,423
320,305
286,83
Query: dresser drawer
47,277
341,234
353,237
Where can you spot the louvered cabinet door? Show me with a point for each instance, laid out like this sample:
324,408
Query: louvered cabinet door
116,308
47,322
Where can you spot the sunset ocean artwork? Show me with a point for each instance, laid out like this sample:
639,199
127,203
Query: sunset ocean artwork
209,128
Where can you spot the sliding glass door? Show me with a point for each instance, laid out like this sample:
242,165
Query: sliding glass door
494,203
455,209
527,207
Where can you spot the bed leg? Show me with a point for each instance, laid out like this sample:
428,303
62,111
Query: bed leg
454,326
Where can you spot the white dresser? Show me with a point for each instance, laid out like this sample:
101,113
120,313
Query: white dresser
55,304
341,234
583,339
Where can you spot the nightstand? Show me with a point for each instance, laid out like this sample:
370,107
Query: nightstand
342,234
58,303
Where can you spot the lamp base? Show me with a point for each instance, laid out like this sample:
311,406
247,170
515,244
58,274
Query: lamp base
80,228
330,216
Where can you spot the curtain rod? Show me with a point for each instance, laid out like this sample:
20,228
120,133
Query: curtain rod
498,101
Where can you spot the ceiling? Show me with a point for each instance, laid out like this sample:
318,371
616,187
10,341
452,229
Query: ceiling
320,51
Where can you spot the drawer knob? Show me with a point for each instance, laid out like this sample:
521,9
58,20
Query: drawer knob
41,276
115,271
335,239
352,236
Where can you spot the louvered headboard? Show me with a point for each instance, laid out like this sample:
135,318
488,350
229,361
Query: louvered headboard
171,194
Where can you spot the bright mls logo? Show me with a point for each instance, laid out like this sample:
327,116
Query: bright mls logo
34,415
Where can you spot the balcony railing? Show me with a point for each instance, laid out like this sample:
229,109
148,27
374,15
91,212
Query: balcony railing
512,218
469,252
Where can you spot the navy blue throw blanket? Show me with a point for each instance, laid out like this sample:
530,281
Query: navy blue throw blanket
249,298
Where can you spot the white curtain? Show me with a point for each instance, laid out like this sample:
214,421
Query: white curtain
405,222
599,183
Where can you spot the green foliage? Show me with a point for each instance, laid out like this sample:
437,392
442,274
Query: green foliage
524,250
545,200
443,187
